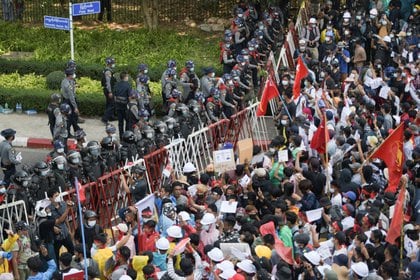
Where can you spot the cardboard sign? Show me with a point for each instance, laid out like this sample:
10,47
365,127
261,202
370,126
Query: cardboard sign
314,215
224,160
283,156
228,207
147,202
245,148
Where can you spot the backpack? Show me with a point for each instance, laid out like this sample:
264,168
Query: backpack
34,234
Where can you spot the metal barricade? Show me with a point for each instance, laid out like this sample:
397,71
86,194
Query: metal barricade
199,148
155,164
219,133
240,127
260,132
177,155
10,213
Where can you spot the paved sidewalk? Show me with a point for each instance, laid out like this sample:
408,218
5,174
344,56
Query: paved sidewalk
33,131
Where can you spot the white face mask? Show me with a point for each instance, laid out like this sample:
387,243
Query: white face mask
149,135
372,16
358,17
91,223
74,76
25,183
408,34
170,126
60,151
44,173
302,49
145,71
327,39
346,20
2,190
272,150
57,199
206,227
346,32
284,82
284,122
332,190
49,214
383,22
113,65
213,75
60,166
192,69
345,200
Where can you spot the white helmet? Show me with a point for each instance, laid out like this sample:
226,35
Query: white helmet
312,20
184,215
373,12
189,167
216,254
174,232
387,39
162,243
208,219
346,15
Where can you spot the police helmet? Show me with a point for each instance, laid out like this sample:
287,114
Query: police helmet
240,58
109,60
148,131
189,64
215,92
58,145
226,77
133,94
239,11
199,96
143,113
160,126
194,106
59,162
176,93
65,108
69,71
171,72
90,214
170,122
239,21
55,97
335,62
94,148
228,33
181,107
41,168
21,225
110,129
171,63
20,177
142,67
80,134
259,33
74,157
107,143
128,136
71,64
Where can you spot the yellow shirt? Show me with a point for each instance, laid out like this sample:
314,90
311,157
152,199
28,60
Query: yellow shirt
101,256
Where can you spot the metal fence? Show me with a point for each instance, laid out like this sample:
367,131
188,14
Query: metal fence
130,11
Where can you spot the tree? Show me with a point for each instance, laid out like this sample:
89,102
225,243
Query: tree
150,13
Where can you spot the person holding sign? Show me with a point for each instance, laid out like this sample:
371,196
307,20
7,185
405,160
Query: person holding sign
191,272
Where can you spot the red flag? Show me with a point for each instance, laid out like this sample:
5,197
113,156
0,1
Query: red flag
270,92
397,220
284,252
391,152
301,72
319,139
82,196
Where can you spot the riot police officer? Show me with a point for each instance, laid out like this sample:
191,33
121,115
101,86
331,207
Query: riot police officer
93,163
53,110
8,155
109,153
161,136
68,93
122,90
59,171
20,190
75,168
108,81
214,106
184,120
170,123
42,180
146,145
189,81
144,93
132,110
128,150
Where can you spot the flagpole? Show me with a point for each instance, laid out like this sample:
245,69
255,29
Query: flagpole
402,226
327,186
82,228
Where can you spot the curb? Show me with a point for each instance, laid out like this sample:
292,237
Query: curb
38,143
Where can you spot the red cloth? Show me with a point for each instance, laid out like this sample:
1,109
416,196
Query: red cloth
319,139
270,92
397,220
82,196
301,72
148,242
284,252
391,152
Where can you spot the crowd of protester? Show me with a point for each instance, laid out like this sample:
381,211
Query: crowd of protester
312,214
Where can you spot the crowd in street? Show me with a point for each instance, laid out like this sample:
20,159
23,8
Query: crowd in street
336,196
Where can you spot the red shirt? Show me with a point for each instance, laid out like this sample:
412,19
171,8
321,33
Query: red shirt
148,241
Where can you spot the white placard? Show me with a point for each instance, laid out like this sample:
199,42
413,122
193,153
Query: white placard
224,160
383,93
391,211
147,202
228,206
283,156
244,181
314,215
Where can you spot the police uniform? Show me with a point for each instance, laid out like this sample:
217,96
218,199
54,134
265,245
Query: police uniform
108,82
60,128
121,91
8,156
52,111
68,92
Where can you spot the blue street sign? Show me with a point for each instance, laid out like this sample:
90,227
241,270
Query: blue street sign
56,23
88,8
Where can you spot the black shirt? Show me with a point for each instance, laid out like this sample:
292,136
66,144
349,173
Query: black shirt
46,230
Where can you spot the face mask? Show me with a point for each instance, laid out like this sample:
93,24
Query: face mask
404,75
372,16
272,150
95,247
383,22
91,223
306,83
170,126
149,135
391,36
332,190
313,25
240,15
25,183
2,190
284,82
302,49
162,129
206,227
327,39
346,20
60,166
284,122
395,75
346,32
49,214
75,161
329,28
227,46
44,173
74,76
408,34
261,27
113,65
345,200
192,69
175,77
213,75
145,71
57,199
358,17
60,151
